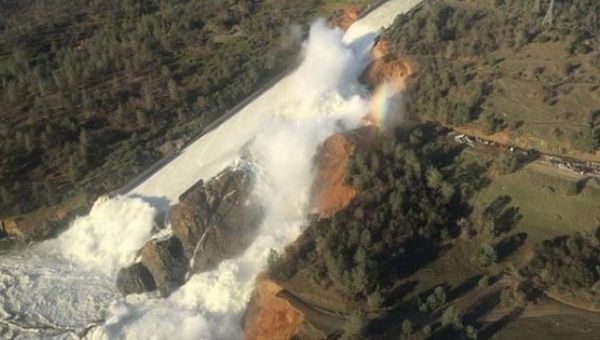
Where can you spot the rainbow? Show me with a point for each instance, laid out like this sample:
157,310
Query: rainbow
380,105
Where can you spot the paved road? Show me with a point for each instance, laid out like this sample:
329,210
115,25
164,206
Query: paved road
325,320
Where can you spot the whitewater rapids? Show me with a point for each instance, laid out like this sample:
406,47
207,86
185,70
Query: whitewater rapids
65,288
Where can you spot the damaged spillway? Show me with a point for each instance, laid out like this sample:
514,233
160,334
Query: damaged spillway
202,257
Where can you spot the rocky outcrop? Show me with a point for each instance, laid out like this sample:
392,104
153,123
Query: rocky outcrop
268,316
217,220
22,229
135,279
44,222
212,222
166,262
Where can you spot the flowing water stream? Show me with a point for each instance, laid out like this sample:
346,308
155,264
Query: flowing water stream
65,287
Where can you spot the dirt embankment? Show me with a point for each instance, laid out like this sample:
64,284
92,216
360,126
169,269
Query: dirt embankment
44,222
331,193
345,17
387,68
268,316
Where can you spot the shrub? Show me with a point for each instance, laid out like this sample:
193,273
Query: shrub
471,332
484,281
493,123
486,256
588,139
508,163
452,317
356,326
407,328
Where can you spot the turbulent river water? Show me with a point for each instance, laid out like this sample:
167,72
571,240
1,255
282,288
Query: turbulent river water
65,287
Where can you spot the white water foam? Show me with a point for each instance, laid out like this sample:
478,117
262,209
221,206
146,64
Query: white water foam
323,98
284,126
109,237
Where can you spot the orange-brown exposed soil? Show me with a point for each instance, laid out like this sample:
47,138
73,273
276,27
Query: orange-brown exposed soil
345,17
270,317
506,138
387,68
331,193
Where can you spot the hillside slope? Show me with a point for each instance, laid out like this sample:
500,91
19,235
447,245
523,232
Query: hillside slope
520,72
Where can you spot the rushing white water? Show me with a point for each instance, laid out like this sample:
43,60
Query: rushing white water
59,287
316,105
207,156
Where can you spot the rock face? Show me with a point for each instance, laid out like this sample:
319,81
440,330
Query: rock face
212,222
21,229
217,220
44,222
166,262
135,279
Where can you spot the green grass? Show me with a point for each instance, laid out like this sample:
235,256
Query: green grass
518,95
543,200
550,327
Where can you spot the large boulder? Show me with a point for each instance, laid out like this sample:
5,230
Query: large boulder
166,262
135,279
217,220
213,221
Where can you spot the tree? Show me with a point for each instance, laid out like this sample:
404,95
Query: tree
272,259
434,301
5,195
359,272
407,327
11,91
140,115
356,326
83,143
493,124
147,97
375,300
506,297
588,139
471,332
509,163
120,117
452,317
173,90
484,281
427,330
486,256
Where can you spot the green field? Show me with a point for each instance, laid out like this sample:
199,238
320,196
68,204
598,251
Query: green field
544,201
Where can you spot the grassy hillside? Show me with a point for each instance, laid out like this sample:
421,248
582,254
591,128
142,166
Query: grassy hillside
486,243
522,70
